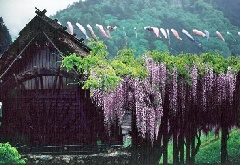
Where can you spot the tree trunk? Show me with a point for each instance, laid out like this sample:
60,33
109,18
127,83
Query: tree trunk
193,146
181,140
134,134
224,154
142,150
175,149
188,129
175,144
188,142
237,101
165,140
165,129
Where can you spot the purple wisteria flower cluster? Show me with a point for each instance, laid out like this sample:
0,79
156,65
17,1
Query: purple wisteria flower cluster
148,94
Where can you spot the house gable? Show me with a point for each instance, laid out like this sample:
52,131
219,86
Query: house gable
41,102
40,32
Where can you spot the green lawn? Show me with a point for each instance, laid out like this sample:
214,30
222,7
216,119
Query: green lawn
209,152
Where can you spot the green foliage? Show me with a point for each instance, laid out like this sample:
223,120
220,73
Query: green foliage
126,64
230,9
101,72
95,67
210,150
188,14
127,143
105,73
9,155
184,61
5,37
99,142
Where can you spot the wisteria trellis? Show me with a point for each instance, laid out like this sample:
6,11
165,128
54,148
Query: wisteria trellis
207,91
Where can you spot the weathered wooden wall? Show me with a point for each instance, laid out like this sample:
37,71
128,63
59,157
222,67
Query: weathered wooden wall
40,57
42,108
49,118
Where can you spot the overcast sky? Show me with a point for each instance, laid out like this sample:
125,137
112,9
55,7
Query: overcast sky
17,13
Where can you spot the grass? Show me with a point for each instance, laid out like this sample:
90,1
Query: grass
210,150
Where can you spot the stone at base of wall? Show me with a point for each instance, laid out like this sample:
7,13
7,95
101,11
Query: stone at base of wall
113,158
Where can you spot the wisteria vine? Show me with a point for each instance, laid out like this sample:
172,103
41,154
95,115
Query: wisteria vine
158,83
148,93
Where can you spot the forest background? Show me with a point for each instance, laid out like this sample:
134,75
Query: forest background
211,15
217,15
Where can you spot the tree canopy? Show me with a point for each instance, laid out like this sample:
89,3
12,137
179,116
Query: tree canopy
5,37
132,16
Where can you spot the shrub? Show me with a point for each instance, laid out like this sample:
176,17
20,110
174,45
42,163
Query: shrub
9,155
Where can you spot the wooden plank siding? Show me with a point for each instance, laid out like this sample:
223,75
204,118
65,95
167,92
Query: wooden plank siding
41,104
45,108
44,58
47,118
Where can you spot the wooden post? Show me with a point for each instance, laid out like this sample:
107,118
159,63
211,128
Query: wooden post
41,82
55,79
16,81
36,79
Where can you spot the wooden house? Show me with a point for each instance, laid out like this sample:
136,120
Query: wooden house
41,104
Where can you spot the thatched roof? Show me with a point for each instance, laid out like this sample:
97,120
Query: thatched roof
38,28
